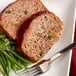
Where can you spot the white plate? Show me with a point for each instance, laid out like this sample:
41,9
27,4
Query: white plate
65,9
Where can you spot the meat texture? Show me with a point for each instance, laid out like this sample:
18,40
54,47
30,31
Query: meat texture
16,13
37,35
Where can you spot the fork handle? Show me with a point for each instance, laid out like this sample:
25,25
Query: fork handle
60,53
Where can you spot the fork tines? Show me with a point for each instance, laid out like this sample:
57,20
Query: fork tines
33,71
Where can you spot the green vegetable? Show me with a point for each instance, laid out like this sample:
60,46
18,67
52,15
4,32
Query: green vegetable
42,53
41,36
4,60
9,65
3,66
9,57
50,37
32,16
26,12
22,59
8,11
1,70
14,68
12,56
2,36
25,65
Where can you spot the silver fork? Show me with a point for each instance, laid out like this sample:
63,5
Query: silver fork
44,65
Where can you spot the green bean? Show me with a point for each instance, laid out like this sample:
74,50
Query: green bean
4,60
8,65
18,68
25,65
11,59
12,56
4,67
14,68
1,69
21,58
2,36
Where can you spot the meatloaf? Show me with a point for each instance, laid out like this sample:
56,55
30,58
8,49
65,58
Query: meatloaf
37,35
16,13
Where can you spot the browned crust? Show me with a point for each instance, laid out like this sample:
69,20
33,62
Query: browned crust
2,29
22,30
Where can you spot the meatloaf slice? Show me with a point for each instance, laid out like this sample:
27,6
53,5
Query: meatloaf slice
16,13
37,36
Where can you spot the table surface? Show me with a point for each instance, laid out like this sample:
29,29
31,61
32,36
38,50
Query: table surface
73,61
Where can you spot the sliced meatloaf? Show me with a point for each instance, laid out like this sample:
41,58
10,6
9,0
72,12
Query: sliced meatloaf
37,36
16,13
